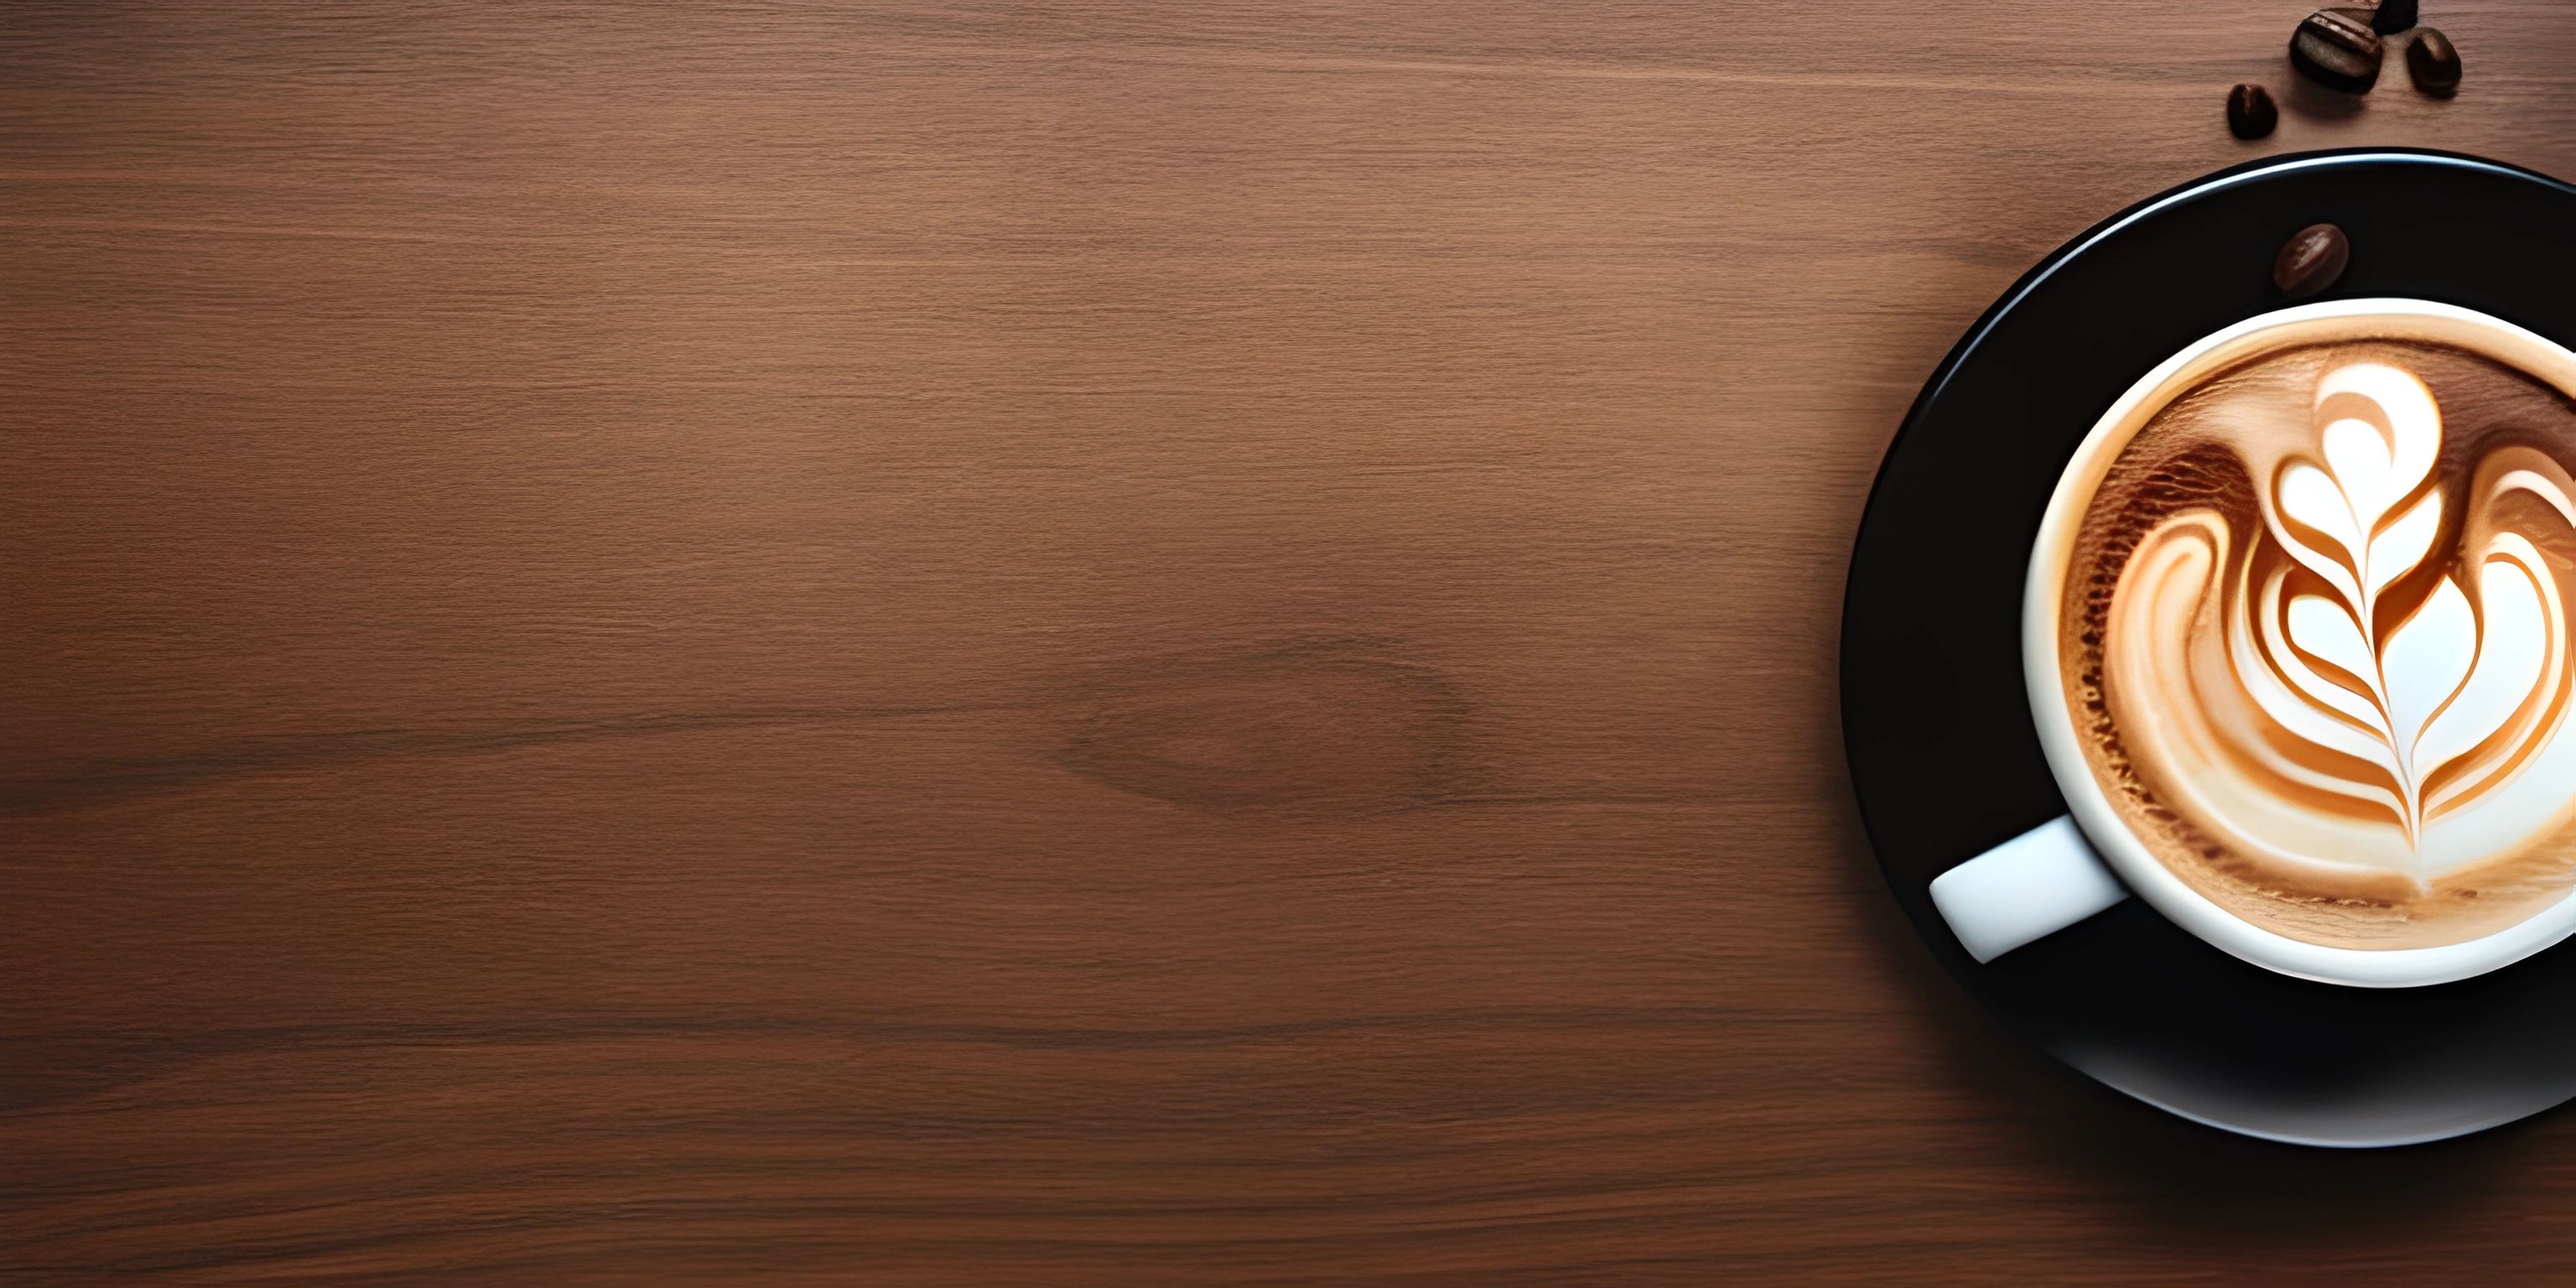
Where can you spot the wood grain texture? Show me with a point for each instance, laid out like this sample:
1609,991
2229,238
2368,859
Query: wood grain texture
1089,643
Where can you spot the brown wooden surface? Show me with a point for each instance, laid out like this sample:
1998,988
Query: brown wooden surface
1050,644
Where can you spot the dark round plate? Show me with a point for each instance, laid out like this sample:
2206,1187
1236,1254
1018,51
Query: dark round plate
1939,733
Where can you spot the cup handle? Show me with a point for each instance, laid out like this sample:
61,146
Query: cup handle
2035,884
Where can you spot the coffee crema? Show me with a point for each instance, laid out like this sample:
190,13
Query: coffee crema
2315,635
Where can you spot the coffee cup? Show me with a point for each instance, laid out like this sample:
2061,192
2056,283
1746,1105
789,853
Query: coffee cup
2295,631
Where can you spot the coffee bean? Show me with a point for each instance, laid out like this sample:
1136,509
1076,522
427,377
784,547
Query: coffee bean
2393,16
2434,62
2250,114
2337,49
2311,260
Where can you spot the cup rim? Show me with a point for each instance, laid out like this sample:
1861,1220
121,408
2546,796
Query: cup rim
2091,806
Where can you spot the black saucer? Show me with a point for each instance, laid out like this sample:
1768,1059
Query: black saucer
1943,756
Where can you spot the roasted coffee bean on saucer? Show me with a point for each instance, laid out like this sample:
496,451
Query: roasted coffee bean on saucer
2393,16
2250,113
2311,260
2434,62
2337,49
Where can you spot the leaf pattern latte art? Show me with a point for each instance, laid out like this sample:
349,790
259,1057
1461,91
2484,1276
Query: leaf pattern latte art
2380,676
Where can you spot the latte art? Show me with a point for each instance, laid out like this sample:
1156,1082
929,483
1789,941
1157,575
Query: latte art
2320,621
2417,712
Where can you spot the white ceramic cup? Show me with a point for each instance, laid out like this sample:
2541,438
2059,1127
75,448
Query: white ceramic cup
2073,867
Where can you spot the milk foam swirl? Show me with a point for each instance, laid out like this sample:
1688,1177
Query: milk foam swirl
2376,677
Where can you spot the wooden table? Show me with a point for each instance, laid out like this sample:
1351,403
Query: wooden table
1060,644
